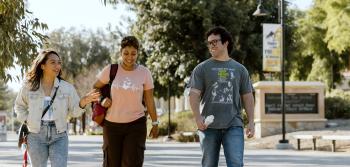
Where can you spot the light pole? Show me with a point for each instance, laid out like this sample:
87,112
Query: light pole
169,120
262,12
13,119
169,137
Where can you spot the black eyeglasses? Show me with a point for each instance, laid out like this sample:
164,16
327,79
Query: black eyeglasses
213,42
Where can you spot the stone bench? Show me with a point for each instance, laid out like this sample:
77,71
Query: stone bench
306,137
335,138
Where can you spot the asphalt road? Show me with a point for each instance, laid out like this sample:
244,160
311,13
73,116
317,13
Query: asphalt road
85,151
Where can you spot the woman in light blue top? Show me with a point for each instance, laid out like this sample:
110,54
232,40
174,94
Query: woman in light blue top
47,138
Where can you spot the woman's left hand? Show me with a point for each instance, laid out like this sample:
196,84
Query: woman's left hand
154,132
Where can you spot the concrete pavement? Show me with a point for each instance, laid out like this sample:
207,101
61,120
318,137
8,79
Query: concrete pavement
85,151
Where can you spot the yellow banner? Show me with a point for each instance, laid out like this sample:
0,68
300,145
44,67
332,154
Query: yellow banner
272,44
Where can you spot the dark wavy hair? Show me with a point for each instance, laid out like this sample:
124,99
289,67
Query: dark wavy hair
35,73
224,35
130,41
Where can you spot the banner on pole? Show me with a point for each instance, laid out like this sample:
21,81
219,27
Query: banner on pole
272,45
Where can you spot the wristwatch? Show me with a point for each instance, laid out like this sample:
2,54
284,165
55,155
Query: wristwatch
154,123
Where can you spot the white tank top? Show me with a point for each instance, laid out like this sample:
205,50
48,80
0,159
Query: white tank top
49,114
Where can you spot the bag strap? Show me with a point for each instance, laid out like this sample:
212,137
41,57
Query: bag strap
52,99
112,73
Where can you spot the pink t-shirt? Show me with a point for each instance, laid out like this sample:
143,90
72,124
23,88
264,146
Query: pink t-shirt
127,93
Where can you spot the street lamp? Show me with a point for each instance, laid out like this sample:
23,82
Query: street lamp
262,12
169,137
169,122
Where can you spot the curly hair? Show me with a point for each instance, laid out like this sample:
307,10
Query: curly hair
130,41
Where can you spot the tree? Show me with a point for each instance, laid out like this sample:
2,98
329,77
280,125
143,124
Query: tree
322,45
19,36
336,21
83,53
79,50
172,35
7,96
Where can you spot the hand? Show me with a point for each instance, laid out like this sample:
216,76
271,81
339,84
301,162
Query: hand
154,132
106,102
250,131
92,96
200,123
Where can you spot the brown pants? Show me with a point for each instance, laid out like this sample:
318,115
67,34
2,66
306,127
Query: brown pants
124,143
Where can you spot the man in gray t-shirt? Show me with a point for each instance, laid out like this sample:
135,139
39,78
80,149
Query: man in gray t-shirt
220,86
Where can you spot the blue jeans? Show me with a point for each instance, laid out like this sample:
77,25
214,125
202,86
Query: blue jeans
232,140
48,144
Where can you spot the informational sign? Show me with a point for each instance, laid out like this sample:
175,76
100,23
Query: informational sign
272,45
295,103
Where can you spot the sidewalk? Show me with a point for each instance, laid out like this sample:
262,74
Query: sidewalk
85,151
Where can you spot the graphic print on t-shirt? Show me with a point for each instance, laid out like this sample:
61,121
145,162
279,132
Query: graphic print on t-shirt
127,84
222,91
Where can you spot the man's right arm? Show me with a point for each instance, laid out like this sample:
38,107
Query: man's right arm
194,102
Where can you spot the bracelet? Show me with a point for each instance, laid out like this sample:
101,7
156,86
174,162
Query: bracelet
154,123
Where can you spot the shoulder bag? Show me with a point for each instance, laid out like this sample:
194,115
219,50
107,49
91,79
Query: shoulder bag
98,111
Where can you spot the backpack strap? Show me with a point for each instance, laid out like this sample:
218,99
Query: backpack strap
112,73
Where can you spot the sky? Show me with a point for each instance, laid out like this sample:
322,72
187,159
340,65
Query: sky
89,14
301,4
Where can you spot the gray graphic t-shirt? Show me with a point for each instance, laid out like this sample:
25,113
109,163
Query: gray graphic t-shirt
222,83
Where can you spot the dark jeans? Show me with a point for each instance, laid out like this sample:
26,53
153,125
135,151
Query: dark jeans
124,143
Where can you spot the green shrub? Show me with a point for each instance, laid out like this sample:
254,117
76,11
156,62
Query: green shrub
182,122
179,122
94,133
337,104
188,138
163,127
186,122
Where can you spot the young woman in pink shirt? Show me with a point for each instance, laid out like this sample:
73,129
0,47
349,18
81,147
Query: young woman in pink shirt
124,130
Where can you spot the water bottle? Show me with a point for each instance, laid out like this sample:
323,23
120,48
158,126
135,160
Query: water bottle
209,120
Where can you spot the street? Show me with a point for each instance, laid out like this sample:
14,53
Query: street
85,151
